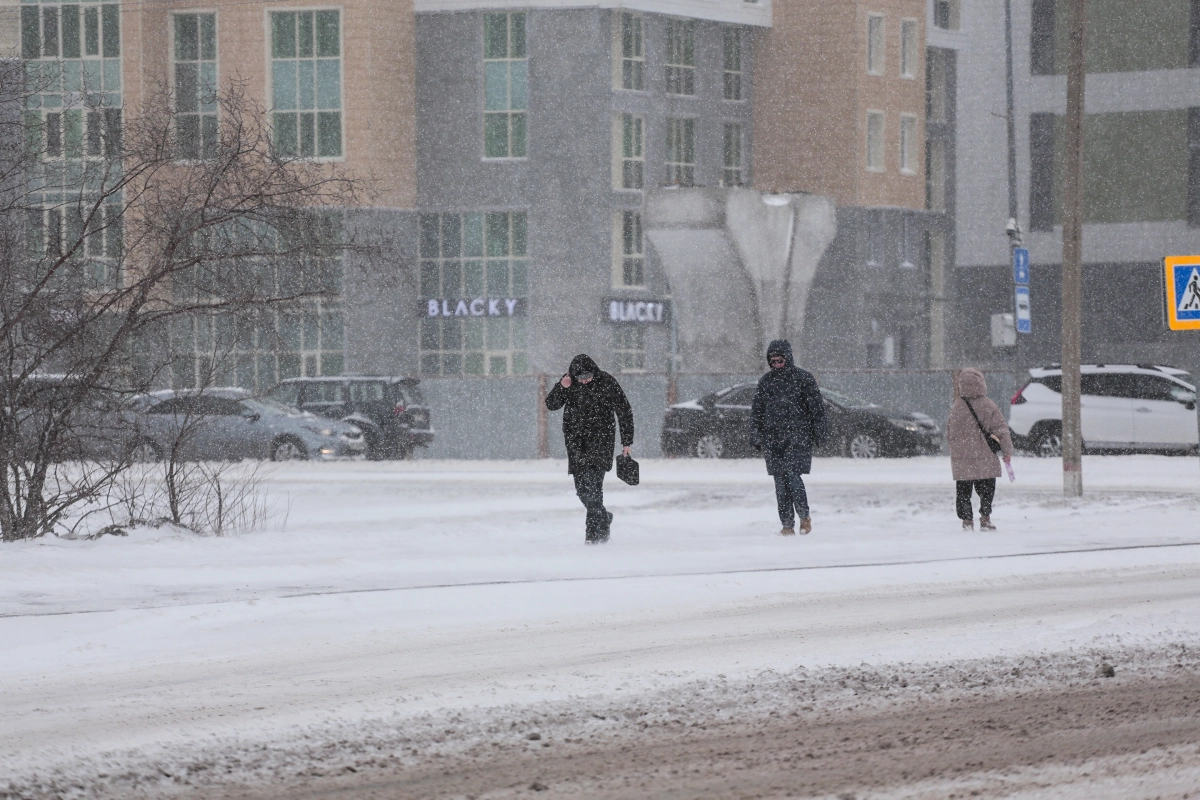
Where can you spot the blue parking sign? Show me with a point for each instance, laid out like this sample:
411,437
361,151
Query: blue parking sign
1020,266
1024,315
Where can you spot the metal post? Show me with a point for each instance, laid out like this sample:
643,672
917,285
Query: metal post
1014,232
1072,267
543,418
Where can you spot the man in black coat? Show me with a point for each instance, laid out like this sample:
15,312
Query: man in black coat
592,398
789,421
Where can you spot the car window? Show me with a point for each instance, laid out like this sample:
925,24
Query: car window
175,405
323,392
269,407
1182,394
1051,382
1108,385
286,393
845,400
411,394
215,407
367,391
742,396
1152,388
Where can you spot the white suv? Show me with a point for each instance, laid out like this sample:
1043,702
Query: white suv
1123,408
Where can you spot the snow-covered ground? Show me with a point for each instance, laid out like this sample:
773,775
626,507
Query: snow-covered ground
395,589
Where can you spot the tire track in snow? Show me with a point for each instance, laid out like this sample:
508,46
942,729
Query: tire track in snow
638,576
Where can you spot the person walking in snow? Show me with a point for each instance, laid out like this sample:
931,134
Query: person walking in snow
591,399
975,432
789,421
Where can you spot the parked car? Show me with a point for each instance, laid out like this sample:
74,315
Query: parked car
390,411
1123,408
97,426
230,424
718,425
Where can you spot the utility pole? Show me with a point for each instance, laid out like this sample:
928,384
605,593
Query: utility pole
1072,260
1013,227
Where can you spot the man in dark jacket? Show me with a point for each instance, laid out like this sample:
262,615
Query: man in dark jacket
591,398
789,421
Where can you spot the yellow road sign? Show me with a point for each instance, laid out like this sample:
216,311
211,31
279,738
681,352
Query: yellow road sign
1182,284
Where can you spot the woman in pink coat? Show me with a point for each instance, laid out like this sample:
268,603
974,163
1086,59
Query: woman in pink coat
974,464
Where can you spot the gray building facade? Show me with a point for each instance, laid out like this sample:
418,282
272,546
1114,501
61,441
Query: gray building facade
1142,174
540,130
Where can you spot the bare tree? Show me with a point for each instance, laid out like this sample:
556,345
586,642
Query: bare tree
104,248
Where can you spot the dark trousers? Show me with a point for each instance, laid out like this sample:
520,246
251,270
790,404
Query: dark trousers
789,494
985,488
589,485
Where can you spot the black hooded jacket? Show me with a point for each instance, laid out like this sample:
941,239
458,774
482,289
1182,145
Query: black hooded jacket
788,414
588,428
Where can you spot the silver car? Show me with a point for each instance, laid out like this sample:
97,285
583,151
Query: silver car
231,424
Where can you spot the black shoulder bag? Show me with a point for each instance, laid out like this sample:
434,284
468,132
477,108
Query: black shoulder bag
993,441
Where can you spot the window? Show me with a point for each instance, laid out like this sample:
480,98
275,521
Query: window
875,44
1121,37
257,351
1135,167
1193,168
936,85
504,85
629,168
629,348
631,61
681,152
195,76
306,83
935,175
732,173
733,63
908,144
875,141
71,30
470,256
909,48
72,55
630,262
945,14
681,56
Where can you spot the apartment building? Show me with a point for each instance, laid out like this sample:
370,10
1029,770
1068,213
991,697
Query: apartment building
541,128
841,110
337,85
1141,174
513,150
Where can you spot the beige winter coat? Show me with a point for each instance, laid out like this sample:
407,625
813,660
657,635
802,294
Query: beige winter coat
970,457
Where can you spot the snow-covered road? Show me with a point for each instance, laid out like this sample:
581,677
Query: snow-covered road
399,589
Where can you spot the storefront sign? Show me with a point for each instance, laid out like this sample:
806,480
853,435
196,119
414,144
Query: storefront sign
475,307
644,312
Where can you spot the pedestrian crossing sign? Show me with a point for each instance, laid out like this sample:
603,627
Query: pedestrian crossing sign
1182,274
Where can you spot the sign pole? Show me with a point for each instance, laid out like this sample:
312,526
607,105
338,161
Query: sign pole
1072,260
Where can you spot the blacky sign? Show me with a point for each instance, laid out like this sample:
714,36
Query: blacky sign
646,312
475,307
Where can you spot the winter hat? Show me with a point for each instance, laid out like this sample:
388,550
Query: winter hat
781,347
580,364
971,383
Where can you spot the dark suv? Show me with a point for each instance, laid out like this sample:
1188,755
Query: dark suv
390,411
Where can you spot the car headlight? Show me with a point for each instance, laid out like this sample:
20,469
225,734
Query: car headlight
905,424
319,431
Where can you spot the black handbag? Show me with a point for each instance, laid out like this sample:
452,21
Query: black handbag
628,470
993,441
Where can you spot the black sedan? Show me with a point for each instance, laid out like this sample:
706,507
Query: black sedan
718,425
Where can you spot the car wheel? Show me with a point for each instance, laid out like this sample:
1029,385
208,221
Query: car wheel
145,452
288,450
710,445
1048,444
863,445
